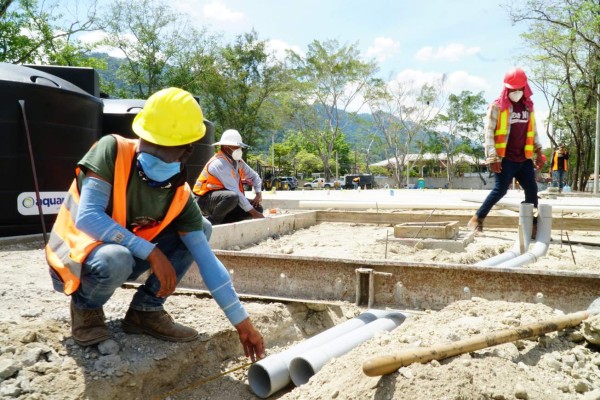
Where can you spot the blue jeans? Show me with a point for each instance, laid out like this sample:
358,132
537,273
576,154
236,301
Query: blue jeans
558,178
523,172
108,266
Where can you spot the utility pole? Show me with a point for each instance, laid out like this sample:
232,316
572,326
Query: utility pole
273,151
596,145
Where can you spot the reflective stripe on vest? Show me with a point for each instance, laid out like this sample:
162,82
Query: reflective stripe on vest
68,247
501,134
207,182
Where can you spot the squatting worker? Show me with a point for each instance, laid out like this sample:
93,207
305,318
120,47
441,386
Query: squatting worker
511,141
130,210
220,187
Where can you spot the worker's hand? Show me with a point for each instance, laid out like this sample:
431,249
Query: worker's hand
257,200
255,214
539,162
164,271
496,167
251,340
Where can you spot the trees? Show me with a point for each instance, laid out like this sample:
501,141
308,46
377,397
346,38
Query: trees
236,85
156,44
463,119
565,37
35,33
402,110
331,80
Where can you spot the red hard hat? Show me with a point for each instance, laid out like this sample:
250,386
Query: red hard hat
515,79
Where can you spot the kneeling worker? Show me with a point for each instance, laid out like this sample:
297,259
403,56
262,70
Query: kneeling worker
219,186
130,210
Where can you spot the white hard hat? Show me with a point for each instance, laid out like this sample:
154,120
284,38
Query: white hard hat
231,137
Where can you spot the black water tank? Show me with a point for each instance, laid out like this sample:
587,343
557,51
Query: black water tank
83,77
64,121
118,117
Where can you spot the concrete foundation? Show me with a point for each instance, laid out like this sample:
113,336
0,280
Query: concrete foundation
456,244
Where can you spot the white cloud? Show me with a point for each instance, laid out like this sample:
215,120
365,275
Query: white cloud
458,81
278,49
451,52
383,48
217,11
93,37
416,78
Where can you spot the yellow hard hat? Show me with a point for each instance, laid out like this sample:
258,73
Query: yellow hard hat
170,117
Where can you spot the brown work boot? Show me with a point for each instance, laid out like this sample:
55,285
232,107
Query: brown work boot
476,223
87,326
158,324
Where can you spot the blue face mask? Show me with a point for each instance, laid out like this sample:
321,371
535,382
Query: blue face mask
156,169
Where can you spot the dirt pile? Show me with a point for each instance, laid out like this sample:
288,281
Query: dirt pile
39,360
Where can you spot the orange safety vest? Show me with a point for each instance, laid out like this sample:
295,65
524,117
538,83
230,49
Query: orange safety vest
207,182
555,163
68,247
501,135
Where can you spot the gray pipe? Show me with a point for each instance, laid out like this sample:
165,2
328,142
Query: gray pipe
526,222
544,231
271,374
303,367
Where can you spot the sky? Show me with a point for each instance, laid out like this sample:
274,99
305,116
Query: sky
473,42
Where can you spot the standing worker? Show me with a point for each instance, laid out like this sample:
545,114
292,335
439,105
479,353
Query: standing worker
560,166
220,187
130,210
511,140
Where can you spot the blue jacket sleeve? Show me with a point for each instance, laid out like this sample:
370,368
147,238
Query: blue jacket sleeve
96,223
215,276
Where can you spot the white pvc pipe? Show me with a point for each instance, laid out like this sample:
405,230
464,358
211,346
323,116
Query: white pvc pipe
544,231
303,367
271,374
526,222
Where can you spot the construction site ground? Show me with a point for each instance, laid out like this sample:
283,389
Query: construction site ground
40,360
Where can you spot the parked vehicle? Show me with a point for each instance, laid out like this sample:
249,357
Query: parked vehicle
280,183
320,183
291,180
365,180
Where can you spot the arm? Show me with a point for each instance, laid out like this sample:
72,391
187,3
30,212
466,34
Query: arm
538,147
492,159
491,119
218,282
253,177
93,220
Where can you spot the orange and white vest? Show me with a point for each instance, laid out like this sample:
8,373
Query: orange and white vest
207,182
68,247
501,135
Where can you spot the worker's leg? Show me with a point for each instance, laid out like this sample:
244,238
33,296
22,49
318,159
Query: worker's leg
215,205
501,185
207,228
105,269
146,313
555,178
525,175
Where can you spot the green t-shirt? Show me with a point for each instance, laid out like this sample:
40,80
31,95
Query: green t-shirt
145,204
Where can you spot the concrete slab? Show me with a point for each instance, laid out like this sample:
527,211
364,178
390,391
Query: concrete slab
252,231
455,245
433,230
